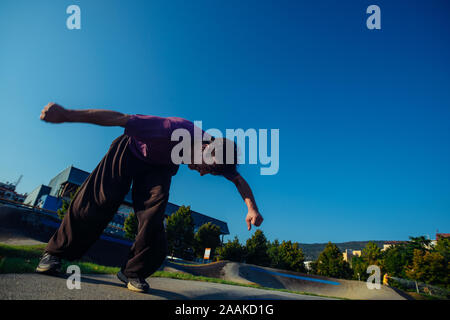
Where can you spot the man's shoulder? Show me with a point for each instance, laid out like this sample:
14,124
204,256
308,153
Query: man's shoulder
143,118
182,123
147,126
179,120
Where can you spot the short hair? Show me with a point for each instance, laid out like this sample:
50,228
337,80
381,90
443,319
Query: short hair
228,164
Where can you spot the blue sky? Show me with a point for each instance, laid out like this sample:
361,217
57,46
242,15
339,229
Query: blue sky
363,115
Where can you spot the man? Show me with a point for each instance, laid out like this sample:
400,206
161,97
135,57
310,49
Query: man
141,157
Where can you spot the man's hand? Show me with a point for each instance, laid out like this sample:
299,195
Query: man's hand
54,113
253,217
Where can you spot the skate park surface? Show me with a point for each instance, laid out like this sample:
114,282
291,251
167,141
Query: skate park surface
100,287
33,286
109,287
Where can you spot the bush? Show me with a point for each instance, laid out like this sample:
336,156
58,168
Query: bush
180,232
256,248
207,236
232,251
287,256
131,226
331,263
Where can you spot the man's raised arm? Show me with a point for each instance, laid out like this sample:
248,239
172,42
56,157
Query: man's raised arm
55,113
253,215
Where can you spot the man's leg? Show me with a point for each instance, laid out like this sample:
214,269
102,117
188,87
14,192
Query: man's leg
94,204
150,196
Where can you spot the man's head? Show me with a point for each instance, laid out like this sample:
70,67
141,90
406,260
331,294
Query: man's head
219,157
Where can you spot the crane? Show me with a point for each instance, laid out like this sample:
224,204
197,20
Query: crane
18,180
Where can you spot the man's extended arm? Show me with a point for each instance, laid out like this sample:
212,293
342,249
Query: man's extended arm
253,215
55,113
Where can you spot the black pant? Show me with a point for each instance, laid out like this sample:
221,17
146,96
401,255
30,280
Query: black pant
99,198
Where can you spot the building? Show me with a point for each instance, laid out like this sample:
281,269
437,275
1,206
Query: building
36,195
357,253
348,254
439,236
8,192
389,244
66,183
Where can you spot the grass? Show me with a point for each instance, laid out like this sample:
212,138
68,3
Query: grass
418,296
422,296
24,259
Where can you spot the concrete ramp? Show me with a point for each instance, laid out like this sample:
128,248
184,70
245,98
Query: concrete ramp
281,279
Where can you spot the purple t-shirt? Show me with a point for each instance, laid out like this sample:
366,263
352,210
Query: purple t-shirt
150,139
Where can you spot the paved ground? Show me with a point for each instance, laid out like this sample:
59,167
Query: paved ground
15,237
108,287
34,286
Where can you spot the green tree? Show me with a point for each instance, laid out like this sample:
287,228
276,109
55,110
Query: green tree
359,267
428,267
419,243
232,251
61,212
313,267
180,231
395,259
286,256
370,255
443,247
130,226
256,248
331,263
292,257
274,254
418,260
207,236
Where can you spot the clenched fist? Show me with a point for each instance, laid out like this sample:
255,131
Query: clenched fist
54,113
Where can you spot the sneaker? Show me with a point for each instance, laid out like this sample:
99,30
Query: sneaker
133,284
49,264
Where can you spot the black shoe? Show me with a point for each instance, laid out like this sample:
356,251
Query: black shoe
49,264
133,284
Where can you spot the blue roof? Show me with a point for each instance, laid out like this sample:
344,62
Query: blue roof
75,176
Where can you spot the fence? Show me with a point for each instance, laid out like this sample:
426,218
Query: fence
421,287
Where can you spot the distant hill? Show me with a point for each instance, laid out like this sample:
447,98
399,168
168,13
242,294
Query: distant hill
312,251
